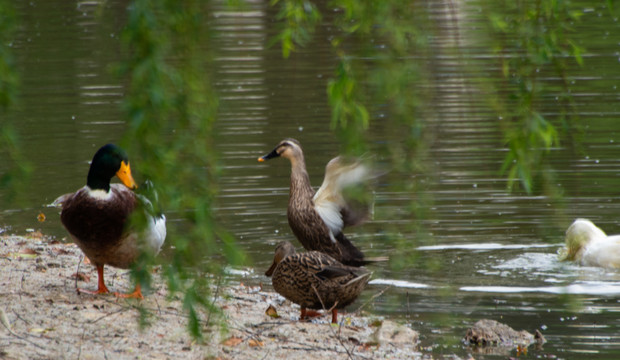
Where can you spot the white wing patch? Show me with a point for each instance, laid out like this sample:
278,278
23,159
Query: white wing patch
328,200
155,233
330,213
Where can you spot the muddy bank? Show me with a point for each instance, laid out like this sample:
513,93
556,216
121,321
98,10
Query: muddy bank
43,317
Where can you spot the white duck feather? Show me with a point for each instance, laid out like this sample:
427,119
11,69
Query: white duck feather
588,245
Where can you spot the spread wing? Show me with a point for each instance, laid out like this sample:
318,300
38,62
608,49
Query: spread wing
340,201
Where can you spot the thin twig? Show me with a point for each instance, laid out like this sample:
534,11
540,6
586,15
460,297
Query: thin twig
108,314
338,337
408,314
305,345
371,299
81,342
158,307
267,354
21,318
77,274
21,337
215,295
316,292
252,334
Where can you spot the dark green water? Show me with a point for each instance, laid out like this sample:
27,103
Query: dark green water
484,253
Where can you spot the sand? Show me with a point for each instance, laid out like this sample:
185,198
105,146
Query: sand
43,317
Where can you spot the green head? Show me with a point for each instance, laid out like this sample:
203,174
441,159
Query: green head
108,161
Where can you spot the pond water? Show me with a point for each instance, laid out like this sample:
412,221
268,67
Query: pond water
482,252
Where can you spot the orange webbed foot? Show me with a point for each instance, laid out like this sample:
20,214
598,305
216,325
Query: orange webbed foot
306,314
101,288
136,294
96,292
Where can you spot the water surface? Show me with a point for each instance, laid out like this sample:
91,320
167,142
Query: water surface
482,252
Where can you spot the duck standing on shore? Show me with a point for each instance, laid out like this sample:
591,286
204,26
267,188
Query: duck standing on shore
318,218
97,217
314,280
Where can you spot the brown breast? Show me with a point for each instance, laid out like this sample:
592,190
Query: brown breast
98,226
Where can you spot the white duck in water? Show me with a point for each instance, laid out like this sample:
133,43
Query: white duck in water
588,245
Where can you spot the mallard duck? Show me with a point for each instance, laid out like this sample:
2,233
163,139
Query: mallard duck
315,280
590,246
97,217
318,218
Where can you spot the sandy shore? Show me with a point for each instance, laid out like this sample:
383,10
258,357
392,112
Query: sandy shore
44,318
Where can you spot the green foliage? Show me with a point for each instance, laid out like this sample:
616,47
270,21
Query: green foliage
171,110
389,69
380,58
349,116
15,179
532,38
379,47
299,18
8,74
17,168
391,77
527,147
387,33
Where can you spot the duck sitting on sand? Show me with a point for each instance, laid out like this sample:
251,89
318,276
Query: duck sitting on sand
97,217
315,280
588,245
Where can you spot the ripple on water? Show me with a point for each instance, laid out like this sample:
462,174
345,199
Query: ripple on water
484,246
589,288
399,283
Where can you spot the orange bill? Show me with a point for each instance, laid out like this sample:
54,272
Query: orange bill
124,173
